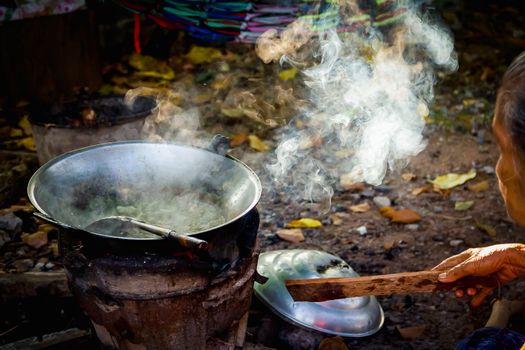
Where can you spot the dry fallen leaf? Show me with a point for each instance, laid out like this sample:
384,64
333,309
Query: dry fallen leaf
394,240
305,223
360,208
410,333
351,186
334,343
294,235
479,186
422,189
336,220
488,229
201,99
35,240
257,144
238,139
408,176
448,181
387,212
232,112
404,216
463,205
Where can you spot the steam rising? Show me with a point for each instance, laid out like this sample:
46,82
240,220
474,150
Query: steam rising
369,92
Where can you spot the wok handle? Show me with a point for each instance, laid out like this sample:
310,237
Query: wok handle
45,218
219,144
50,220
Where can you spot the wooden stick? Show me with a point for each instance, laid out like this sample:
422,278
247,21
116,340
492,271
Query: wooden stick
322,289
31,284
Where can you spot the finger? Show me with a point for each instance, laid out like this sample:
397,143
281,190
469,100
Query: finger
453,261
467,267
478,298
472,291
460,293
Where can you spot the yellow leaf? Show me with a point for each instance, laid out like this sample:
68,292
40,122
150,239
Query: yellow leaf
201,54
294,235
148,66
25,125
16,133
360,208
461,206
288,74
448,181
257,144
479,186
488,229
28,143
305,223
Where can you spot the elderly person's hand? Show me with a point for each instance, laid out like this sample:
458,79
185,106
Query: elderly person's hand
506,262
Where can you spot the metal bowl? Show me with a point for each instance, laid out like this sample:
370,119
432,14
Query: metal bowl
350,317
85,185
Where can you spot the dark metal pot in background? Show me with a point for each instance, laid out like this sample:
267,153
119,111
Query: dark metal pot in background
89,122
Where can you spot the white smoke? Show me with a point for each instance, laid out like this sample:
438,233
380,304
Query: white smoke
369,94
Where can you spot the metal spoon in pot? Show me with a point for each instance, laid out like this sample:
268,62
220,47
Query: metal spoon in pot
115,225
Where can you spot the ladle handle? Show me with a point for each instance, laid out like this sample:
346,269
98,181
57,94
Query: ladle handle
191,243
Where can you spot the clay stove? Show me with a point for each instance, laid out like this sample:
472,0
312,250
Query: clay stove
171,299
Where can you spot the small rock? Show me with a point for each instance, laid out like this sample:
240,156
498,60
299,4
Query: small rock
11,224
455,242
49,265
487,169
412,227
362,230
4,238
438,238
438,209
383,188
367,193
381,201
23,265
39,266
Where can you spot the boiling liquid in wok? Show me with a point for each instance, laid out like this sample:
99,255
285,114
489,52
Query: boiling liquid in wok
185,213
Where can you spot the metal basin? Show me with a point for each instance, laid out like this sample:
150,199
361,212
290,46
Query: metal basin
161,180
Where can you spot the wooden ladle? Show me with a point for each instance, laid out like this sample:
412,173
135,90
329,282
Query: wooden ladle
322,289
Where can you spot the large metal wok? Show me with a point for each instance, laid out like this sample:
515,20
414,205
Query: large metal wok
85,185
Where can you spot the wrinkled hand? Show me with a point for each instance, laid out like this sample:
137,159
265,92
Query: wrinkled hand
506,262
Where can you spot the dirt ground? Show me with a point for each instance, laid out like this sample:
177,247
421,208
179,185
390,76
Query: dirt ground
459,139
389,248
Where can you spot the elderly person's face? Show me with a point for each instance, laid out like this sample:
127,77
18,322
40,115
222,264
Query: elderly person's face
511,171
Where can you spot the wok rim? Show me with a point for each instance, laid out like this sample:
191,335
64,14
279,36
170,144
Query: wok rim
32,185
